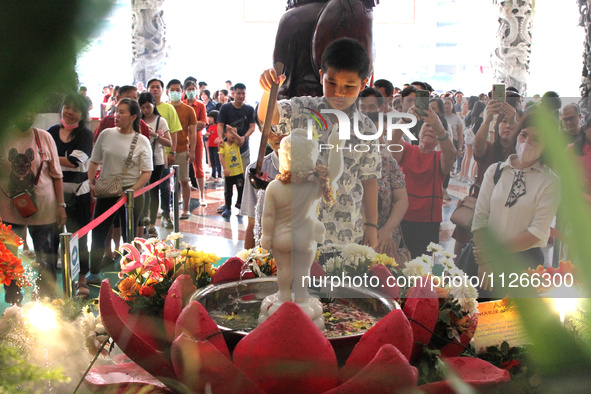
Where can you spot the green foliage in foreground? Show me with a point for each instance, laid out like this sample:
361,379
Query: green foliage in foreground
17,374
558,354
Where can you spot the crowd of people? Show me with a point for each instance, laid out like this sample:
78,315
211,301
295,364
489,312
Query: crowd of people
69,175
389,200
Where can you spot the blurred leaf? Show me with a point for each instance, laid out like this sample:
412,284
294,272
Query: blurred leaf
555,350
40,41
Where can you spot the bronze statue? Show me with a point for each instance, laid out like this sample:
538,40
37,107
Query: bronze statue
307,28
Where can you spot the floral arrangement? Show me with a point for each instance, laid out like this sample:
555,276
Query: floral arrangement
260,261
458,305
545,280
11,267
352,259
149,267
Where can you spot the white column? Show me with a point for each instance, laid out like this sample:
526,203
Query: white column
510,60
148,39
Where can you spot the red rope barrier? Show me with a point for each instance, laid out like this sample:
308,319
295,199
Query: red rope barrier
86,229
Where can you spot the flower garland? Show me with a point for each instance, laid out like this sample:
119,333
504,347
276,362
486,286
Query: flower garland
319,175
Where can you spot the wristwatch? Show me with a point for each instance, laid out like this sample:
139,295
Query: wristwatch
63,204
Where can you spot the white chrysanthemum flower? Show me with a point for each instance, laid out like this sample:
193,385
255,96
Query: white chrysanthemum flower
152,241
334,264
455,271
465,295
469,305
94,332
174,254
351,252
449,255
416,267
243,254
433,247
174,236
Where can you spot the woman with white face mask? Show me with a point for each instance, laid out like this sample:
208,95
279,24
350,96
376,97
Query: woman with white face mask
520,207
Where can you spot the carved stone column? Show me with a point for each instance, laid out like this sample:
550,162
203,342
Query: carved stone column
148,39
585,21
510,60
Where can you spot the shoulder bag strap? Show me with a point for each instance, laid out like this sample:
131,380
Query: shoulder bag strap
131,149
498,172
40,154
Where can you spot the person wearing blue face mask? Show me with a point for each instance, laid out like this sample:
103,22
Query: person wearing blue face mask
200,111
185,141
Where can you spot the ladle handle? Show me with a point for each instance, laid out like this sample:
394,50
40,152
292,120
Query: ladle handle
268,118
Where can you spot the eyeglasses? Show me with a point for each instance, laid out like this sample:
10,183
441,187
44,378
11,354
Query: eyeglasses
569,119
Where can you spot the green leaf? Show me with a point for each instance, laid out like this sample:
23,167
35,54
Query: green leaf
505,348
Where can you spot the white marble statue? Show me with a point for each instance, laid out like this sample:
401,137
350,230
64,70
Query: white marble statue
290,225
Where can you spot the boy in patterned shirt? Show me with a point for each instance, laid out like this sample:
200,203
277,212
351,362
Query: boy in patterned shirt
344,74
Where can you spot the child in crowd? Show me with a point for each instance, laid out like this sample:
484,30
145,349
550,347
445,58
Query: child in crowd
229,152
212,134
344,73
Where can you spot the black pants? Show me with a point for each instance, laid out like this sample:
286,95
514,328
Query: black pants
229,183
45,243
79,216
152,197
165,193
418,235
100,232
214,157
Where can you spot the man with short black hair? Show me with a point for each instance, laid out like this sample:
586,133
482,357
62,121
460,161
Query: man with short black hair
228,85
386,88
83,92
223,99
202,87
239,116
184,154
200,113
571,120
167,111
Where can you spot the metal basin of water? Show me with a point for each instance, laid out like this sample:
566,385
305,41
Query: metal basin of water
246,297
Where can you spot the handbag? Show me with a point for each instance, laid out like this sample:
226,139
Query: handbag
466,261
464,213
24,204
112,186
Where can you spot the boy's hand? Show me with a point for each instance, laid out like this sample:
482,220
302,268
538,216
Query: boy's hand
370,237
226,172
269,77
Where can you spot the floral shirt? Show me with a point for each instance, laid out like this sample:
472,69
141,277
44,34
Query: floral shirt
392,180
344,220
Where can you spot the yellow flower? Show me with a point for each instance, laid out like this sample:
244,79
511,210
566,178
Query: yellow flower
385,260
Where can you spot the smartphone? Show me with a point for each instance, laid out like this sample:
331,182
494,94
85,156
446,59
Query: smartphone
422,102
498,92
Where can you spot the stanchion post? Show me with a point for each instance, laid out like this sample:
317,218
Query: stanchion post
175,203
129,215
66,264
